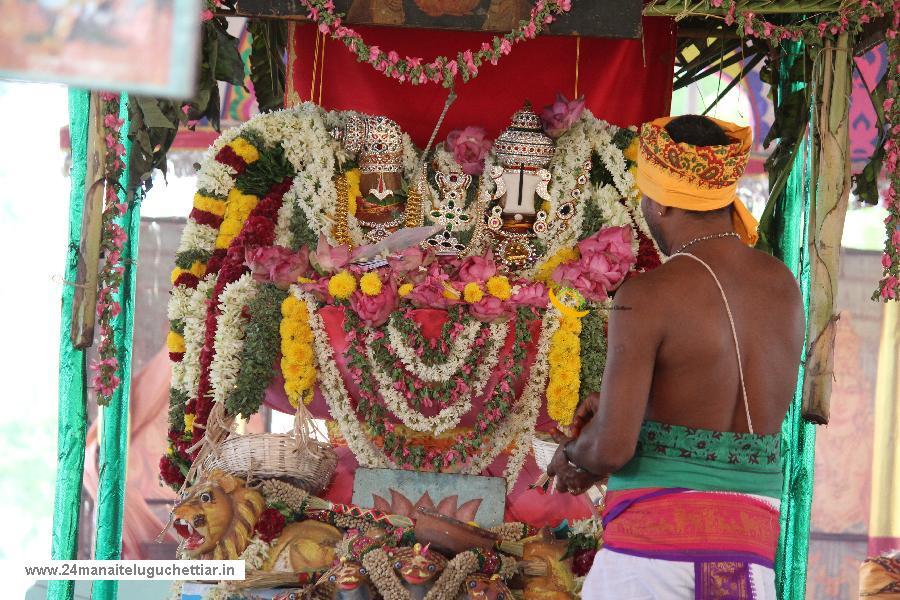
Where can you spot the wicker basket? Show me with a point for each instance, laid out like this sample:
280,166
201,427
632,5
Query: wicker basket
295,457
543,451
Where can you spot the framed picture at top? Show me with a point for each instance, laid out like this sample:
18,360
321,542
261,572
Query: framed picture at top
142,46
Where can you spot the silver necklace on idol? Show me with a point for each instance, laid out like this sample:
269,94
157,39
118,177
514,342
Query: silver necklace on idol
703,238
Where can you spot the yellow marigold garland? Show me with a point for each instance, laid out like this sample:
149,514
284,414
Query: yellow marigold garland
198,269
353,191
565,368
244,149
209,204
237,209
405,289
297,356
175,342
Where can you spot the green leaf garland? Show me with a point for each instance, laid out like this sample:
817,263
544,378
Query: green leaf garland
261,343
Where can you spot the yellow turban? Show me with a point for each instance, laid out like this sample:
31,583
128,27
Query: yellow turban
697,178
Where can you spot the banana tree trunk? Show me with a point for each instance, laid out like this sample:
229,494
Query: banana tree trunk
827,225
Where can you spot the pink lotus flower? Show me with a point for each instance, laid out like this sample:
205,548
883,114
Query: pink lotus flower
430,292
489,309
469,146
609,239
328,259
533,294
277,264
561,115
477,268
375,310
606,258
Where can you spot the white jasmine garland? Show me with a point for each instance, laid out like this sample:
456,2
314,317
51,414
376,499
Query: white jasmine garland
216,178
196,236
331,385
459,351
283,234
519,425
187,376
450,416
179,301
229,338
446,419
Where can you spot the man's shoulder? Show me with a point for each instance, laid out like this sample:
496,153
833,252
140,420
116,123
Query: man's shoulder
645,287
777,274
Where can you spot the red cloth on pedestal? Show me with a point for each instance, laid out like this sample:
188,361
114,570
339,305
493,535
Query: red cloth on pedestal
625,82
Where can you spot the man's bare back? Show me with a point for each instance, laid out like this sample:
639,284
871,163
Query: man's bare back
695,375
681,355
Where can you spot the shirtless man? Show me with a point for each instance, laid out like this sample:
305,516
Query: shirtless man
701,369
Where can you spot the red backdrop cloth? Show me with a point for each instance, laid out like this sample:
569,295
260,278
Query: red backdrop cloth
625,82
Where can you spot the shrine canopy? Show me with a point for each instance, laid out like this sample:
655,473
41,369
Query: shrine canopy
625,82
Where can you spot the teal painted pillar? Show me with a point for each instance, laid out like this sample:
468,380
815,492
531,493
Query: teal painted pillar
72,424
788,236
114,424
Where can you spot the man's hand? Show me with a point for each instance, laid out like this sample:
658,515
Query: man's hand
584,413
568,478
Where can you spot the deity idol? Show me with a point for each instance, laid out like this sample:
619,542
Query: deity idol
378,144
524,152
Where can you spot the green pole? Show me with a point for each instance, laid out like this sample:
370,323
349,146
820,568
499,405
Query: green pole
114,432
72,425
788,235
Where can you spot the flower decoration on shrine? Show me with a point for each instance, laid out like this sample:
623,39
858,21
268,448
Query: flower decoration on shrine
442,69
106,380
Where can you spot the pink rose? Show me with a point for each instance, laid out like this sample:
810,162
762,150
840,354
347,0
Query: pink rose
469,146
477,268
375,310
328,259
488,309
532,294
886,260
277,264
561,115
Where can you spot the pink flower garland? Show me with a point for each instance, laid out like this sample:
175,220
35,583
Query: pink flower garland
106,367
442,69
889,287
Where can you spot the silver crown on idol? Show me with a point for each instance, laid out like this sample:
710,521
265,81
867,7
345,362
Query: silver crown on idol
524,144
378,142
